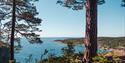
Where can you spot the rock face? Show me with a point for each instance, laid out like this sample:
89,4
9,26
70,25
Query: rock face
119,53
4,53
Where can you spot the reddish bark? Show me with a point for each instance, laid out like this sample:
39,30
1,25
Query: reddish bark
91,31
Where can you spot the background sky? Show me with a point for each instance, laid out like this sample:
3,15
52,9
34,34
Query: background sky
60,21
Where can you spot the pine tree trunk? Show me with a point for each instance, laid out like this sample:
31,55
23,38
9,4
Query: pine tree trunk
12,33
91,31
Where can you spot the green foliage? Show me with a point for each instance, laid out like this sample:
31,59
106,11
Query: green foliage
69,56
69,50
76,4
123,3
27,21
102,59
79,4
117,60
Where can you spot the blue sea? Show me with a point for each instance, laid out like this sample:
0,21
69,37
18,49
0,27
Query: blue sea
34,51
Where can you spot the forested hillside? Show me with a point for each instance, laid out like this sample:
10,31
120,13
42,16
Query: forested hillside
112,42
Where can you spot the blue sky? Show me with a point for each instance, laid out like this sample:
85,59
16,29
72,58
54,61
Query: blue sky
59,21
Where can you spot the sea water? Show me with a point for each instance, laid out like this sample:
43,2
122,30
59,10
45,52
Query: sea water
34,51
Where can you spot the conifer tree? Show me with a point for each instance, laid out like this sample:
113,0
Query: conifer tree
18,18
91,7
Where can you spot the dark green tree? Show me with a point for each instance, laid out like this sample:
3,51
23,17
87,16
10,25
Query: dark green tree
91,24
123,3
24,22
26,19
69,52
90,41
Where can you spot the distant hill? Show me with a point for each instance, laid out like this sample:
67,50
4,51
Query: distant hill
112,42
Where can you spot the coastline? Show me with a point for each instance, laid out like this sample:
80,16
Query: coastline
118,51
